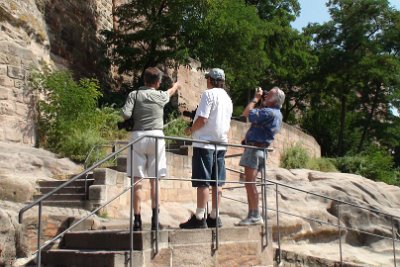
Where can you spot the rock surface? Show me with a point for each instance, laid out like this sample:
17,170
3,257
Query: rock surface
22,166
308,223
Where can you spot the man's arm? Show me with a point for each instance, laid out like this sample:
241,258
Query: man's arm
197,124
252,103
171,91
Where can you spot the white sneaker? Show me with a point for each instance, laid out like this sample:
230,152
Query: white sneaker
251,221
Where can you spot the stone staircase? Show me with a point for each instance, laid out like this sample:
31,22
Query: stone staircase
109,243
73,196
238,246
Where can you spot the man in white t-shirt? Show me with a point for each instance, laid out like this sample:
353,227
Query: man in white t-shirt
211,123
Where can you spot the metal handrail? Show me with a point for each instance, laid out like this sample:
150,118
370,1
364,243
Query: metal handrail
338,225
97,164
264,182
40,200
108,144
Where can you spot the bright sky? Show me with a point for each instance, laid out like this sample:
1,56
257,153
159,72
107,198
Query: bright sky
316,11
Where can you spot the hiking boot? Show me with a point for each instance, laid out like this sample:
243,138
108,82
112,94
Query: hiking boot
137,225
154,225
212,223
251,220
194,223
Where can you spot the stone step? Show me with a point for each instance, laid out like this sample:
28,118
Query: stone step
65,190
226,234
63,197
238,246
86,258
112,240
76,183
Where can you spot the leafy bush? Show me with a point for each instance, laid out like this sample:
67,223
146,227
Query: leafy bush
374,163
175,127
69,121
321,164
294,157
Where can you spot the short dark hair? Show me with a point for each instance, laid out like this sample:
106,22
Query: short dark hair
152,75
217,83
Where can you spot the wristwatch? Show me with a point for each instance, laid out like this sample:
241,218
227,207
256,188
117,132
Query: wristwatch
255,101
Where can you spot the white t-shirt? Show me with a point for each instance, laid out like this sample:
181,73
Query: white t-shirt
216,106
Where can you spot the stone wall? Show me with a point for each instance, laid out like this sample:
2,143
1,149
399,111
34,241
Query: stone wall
23,42
74,29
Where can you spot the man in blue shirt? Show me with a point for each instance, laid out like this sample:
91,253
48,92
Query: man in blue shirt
266,122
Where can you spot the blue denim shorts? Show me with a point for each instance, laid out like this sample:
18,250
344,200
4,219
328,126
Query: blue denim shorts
203,167
253,158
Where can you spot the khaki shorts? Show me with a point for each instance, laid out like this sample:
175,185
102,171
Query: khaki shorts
144,156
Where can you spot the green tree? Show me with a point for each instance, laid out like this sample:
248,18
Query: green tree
219,33
358,66
149,33
292,65
232,36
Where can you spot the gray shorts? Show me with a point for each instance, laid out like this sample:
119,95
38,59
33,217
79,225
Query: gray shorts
253,158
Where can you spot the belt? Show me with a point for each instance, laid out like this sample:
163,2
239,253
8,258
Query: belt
257,144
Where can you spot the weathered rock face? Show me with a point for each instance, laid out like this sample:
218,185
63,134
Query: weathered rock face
21,166
65,34
23,42
365,234
308,223
11,244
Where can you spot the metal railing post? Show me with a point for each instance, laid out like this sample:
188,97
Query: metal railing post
131,209
39,253
279,256
216,197
264,197
156,200
340,236
393,242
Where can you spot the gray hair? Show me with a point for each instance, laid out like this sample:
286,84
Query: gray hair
279,96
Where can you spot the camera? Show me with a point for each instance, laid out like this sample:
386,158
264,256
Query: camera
126,124
190,114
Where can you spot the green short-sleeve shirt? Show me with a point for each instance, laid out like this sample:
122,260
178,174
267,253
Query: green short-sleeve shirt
148,104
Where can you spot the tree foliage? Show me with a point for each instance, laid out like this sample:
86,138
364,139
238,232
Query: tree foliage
358,69
230,34
341,78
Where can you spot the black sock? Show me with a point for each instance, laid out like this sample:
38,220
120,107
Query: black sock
154,211
137,217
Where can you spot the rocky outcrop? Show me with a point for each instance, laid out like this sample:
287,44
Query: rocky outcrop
11,239
309,218
21,166
61,34
23,44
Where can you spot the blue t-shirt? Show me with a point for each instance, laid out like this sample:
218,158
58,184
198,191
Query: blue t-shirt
265,123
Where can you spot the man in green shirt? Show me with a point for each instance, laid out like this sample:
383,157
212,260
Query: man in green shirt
146,105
